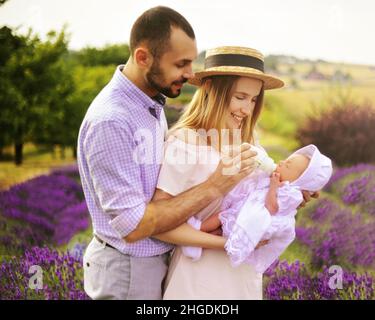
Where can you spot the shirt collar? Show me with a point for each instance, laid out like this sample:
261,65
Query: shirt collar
136,94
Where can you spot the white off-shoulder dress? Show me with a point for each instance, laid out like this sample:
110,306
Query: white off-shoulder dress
212,276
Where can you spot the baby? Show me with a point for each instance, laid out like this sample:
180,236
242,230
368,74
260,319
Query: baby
262,208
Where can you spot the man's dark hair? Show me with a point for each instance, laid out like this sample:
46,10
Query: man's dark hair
154,27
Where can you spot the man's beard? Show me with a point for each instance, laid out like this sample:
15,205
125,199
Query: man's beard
155,77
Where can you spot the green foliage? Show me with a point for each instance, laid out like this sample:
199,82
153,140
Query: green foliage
88,81
9,95
66,116
109,55
33,85
45,90
172,115
275,118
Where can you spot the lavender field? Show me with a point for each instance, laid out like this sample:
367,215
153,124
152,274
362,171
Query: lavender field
44,222
38,218
53,65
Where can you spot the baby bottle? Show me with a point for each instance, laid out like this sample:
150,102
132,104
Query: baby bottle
265,163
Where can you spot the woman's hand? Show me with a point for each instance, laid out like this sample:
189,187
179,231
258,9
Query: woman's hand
232,168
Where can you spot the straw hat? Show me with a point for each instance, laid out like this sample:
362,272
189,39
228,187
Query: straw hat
238,61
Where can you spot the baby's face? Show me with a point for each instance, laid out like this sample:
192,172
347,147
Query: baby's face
291,168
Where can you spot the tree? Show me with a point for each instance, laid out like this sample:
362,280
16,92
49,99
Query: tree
109,55
9,96
88,81
30,82
53,123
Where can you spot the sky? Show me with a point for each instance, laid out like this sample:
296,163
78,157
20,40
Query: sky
332,30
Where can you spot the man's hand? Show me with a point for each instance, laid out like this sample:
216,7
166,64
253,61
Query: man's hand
262,243
307,197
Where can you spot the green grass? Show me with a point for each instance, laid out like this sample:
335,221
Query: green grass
10,223
83,237
297,251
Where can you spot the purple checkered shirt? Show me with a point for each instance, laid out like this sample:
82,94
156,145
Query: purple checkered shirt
116,185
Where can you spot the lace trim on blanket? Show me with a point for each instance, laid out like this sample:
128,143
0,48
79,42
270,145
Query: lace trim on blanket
238,246
228,219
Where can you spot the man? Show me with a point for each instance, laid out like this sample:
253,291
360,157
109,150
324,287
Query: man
123,261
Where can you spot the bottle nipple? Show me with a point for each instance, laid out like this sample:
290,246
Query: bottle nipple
265,163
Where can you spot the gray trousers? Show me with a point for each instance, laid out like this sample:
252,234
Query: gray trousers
110,274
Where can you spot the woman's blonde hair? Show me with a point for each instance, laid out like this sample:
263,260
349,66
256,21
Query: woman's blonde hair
209,106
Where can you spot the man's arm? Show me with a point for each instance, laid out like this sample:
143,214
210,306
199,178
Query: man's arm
166,214
185,234
116,178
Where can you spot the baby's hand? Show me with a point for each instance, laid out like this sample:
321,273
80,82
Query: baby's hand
275,180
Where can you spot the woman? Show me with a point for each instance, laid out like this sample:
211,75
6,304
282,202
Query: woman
222,114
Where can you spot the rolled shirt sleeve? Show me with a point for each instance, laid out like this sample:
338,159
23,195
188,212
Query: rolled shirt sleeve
115,175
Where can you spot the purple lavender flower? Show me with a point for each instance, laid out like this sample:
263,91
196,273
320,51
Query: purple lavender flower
51,208
338,236
293,281
323,210
361,192
343,172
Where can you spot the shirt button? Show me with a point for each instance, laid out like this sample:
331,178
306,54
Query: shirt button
87,264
